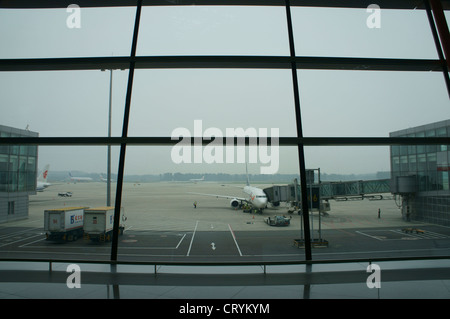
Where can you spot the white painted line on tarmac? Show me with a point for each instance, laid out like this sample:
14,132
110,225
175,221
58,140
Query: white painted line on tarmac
18,232
180,241
192,239
234,237
19,240
374,237
35,241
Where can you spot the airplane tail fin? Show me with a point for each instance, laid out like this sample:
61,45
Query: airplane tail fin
43,176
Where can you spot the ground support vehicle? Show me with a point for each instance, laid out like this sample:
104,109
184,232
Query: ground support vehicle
99,222
413,230
278,221
65,194
64,224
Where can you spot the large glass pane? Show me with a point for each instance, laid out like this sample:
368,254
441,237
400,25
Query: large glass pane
349,160
192,212
214,30
63,103
164,100
367,212
344,32
71,32
48,223
4,158
361,103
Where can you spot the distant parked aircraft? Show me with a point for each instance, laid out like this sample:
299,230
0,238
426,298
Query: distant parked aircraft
79,179
195,180
105,179
41,183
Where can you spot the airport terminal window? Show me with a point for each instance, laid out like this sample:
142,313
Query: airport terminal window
396,34
18,171
441,132
412,160
50,33
338,103
335,101
3,172
445,181
10,208
213,30
220,99
79,103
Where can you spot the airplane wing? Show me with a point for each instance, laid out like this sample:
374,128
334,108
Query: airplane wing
221,196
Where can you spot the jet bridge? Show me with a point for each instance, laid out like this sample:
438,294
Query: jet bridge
371,189
291,193
317,192
318,196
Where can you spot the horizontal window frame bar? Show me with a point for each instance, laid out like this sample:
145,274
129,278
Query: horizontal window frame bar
220,62
242,263
282,141
387,4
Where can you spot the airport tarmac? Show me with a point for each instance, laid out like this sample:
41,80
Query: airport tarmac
169,206
163,225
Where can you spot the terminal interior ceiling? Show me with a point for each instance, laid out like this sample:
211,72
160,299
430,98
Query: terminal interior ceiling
124,143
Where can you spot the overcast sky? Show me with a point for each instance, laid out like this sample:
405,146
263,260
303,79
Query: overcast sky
333,103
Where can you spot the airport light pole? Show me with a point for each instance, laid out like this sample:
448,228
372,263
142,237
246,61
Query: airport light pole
108,170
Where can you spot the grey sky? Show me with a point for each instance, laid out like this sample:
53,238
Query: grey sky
334,103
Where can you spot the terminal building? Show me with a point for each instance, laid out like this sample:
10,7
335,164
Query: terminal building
420,174
18,167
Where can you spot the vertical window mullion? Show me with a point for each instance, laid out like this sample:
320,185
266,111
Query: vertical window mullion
300,146
126,117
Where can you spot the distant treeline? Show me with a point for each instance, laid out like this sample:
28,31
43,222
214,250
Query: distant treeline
273,178
219,177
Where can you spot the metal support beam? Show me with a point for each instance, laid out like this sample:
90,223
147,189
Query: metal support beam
283,141
301,154
108,169
126,117
442,27
220,62
436,18
387,4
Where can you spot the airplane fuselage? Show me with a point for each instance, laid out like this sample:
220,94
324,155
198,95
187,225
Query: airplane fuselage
79,179
257,197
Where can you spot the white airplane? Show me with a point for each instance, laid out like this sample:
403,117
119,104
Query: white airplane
41,182
195,180
255,197
105,179
79,179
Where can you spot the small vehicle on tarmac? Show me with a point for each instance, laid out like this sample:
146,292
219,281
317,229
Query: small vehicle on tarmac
65,194
278,221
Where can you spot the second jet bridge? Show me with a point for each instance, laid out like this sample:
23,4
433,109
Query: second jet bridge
348,189
329,190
